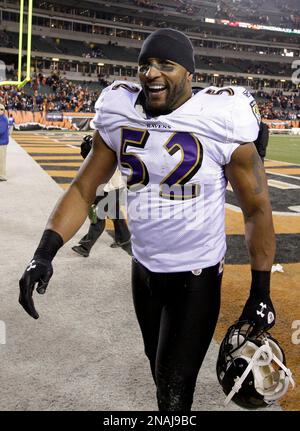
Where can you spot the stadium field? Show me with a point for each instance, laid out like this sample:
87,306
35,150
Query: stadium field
86,352
58,155
284,148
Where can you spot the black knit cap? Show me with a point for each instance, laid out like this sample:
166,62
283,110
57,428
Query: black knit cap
169,44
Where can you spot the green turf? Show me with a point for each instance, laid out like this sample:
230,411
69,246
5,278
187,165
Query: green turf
284,148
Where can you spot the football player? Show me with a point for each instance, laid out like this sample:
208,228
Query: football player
177,153
111,193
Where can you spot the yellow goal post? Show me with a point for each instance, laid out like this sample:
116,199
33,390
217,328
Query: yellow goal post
19,83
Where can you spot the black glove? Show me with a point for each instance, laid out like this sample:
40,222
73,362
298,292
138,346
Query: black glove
259,310
262,140
39,270
86,145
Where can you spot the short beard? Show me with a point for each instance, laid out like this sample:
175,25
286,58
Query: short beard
152,111
156,112
169,105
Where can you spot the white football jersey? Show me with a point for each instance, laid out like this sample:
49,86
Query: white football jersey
174,167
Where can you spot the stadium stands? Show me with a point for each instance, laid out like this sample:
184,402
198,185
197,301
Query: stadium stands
76,50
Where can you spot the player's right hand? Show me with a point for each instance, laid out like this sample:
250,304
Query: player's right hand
39,271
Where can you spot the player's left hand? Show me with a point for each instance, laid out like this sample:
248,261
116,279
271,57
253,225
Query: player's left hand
259,312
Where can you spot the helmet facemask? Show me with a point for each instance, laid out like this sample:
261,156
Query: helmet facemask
251,367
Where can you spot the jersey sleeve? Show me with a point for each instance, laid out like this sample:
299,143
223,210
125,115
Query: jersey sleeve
99,118
233,119
244,118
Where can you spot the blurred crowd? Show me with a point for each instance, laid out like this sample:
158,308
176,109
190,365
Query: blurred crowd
285,14
277,105
54,93
268,12
5,39
182,6
94,53
253,10
148,4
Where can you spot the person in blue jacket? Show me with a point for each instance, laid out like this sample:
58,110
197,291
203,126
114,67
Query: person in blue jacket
4,139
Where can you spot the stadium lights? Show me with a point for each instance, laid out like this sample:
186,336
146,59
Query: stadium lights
100,64
216,74
288,53
55,59
282,80
250,25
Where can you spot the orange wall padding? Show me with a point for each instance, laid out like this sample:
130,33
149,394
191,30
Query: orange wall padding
40,117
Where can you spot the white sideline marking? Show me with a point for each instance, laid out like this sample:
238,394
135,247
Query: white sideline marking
274,183
282,185
283,175
280,162
72,146
280,213
295,208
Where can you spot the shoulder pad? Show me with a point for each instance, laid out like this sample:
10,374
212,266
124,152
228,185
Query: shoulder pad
129,86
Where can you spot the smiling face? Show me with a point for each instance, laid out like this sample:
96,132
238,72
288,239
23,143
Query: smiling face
166,85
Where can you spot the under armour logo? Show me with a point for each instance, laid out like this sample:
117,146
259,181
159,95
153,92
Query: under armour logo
260,313
31,265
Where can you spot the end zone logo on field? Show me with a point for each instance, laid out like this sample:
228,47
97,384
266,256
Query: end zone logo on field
296,332
283,191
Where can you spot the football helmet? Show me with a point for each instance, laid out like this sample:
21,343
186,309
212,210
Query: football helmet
251,367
